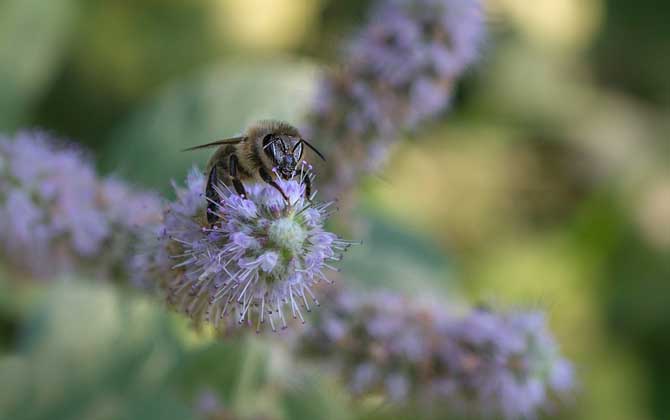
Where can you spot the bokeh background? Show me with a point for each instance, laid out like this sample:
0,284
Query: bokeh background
547,186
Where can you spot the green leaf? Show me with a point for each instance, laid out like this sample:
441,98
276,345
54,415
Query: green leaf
392,257
218,366
314,397
89,352
33,39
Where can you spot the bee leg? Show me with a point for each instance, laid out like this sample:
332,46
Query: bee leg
308,186
237,184
268,178
212,196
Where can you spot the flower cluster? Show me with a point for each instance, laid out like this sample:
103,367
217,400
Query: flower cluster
258,261
485,363
57,216
398,71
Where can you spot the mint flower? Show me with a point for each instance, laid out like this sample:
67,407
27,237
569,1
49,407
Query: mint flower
482,364
396,73
57,215
258,263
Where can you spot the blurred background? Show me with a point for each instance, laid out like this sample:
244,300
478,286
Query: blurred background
546,186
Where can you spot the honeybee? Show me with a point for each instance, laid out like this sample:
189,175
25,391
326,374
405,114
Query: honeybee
266,149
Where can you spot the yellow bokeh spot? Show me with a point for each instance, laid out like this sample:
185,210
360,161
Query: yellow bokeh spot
555,23
265,24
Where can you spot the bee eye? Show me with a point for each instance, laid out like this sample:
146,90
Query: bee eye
270,147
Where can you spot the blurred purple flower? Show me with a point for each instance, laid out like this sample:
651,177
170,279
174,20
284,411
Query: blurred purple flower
398,72
56,215
260,260
483,364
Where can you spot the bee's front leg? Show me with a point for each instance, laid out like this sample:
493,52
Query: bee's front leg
265,176
237,184
212,195
307,181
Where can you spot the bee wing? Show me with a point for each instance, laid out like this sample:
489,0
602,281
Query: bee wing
232,140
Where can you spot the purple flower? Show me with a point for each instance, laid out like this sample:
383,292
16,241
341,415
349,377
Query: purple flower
483,364
259,261
505,364
397,72
56,215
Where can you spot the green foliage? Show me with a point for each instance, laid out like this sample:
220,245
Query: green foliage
314,397
119,55
87,351
34,37
394,257
628,51
216,104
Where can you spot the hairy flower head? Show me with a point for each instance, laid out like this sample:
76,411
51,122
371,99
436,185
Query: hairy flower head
258,263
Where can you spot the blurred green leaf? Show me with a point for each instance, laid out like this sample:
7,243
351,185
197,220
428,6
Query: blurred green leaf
394,257
639,32
122,54
217,104
218,366
90,353
313,397
33,38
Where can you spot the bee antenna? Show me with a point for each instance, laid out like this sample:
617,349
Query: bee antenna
232,140
311,147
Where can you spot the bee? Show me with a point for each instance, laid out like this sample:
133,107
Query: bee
265,150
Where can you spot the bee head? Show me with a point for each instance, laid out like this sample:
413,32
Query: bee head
284,158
